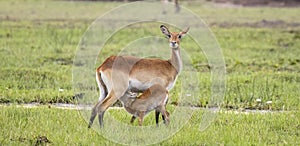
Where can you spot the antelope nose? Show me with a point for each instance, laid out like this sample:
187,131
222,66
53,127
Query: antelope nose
173,42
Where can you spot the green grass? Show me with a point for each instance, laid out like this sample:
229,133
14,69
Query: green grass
22,126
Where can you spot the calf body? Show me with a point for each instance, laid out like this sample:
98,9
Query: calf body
154,98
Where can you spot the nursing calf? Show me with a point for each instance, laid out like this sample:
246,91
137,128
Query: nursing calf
154,98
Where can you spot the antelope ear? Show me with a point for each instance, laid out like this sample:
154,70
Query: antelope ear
182,33
165,31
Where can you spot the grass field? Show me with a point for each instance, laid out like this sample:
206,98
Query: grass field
38,41
66,127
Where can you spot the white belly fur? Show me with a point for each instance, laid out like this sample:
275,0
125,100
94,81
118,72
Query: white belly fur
136,84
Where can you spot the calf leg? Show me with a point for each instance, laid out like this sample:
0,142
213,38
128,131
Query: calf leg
163,117
157,117
132,119
141,118
165,114
157,112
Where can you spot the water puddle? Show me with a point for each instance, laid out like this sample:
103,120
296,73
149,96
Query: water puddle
65,106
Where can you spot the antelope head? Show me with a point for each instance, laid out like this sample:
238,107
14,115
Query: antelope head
174,37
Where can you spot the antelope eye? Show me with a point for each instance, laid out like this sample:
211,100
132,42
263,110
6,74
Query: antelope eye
179,36
169,36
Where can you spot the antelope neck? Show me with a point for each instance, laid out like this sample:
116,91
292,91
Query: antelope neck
176,59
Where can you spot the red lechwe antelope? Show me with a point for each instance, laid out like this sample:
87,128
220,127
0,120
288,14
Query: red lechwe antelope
153,98
119,74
